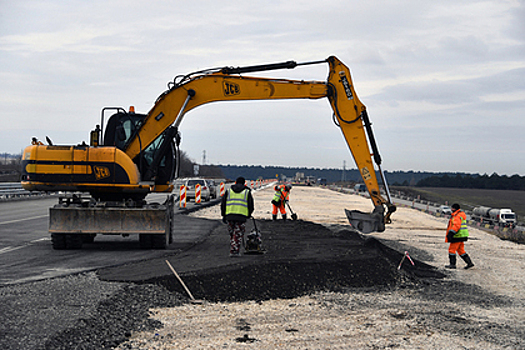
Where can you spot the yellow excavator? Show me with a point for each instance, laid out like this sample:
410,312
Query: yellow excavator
138,154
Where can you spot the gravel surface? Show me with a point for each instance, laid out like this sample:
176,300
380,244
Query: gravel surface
77,312
362,302
480,308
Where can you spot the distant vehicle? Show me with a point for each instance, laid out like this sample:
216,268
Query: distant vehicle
444,209
321,181
494,216
360,188
190,188
213,188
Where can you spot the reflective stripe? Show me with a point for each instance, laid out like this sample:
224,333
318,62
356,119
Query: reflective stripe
281,194
237,203
463,231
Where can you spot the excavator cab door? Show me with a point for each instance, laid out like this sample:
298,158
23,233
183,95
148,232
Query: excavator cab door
156,162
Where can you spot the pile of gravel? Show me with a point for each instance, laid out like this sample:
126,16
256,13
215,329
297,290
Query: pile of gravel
77,312
303,258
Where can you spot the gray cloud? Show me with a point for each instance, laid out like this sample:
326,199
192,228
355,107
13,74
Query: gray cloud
432,74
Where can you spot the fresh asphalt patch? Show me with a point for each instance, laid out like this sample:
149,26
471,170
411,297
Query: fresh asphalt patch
301,257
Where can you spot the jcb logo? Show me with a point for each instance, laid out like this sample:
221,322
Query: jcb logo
230,89
101,172
346,85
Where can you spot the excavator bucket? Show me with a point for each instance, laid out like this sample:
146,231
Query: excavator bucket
367,222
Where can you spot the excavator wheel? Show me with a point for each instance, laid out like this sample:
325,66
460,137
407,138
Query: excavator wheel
58,241
159,241
66,241
74,241
145,241
88,238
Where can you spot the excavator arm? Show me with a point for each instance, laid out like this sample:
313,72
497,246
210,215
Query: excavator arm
227,84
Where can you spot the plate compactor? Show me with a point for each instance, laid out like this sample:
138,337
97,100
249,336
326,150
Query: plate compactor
253,243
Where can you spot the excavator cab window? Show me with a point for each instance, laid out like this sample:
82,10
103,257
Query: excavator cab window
121,127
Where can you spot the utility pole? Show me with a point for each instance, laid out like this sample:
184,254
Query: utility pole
204,157
343,176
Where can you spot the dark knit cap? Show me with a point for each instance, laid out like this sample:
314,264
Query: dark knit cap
240,180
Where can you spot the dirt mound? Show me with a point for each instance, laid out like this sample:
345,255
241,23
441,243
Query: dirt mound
302,257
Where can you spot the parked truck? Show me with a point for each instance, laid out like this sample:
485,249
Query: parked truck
494,216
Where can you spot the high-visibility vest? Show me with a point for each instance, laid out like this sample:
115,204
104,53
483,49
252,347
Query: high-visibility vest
463,231
237,203
281,194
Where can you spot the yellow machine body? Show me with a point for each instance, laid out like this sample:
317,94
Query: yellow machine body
126,164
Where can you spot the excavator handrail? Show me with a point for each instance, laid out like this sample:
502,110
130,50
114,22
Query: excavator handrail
238,70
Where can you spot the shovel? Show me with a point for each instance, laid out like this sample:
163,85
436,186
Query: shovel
294,216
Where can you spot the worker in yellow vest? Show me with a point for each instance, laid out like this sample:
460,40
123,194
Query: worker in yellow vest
282,195
236,207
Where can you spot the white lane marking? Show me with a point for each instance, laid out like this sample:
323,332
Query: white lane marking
20,220
10,249
40,239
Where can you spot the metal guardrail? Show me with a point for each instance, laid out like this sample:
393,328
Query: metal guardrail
12,190
516,234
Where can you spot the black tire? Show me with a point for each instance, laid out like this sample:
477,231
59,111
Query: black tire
145,241
158,241
88,238
58,241
74,241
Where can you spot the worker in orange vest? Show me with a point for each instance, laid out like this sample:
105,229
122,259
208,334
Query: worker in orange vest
282,195
457,235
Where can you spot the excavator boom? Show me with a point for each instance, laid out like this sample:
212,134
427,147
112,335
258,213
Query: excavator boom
227,84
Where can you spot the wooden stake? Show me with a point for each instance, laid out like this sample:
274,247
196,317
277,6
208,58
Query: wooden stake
183,284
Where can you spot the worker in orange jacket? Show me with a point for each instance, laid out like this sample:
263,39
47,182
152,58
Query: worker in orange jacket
457,235
282,195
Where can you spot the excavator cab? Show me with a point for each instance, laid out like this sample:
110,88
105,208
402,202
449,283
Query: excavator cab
159,161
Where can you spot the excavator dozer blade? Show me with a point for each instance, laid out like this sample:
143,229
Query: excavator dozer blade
107,221
366,222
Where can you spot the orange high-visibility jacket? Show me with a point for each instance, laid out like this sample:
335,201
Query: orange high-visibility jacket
281,193
455,222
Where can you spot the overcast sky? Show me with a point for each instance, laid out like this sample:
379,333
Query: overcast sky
443,81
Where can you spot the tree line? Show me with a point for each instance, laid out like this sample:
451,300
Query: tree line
10,171
492,182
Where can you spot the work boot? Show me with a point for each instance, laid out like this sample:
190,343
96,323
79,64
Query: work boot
466,258
274,217
284,216
452,258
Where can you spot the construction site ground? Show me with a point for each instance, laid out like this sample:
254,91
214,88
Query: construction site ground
321,285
